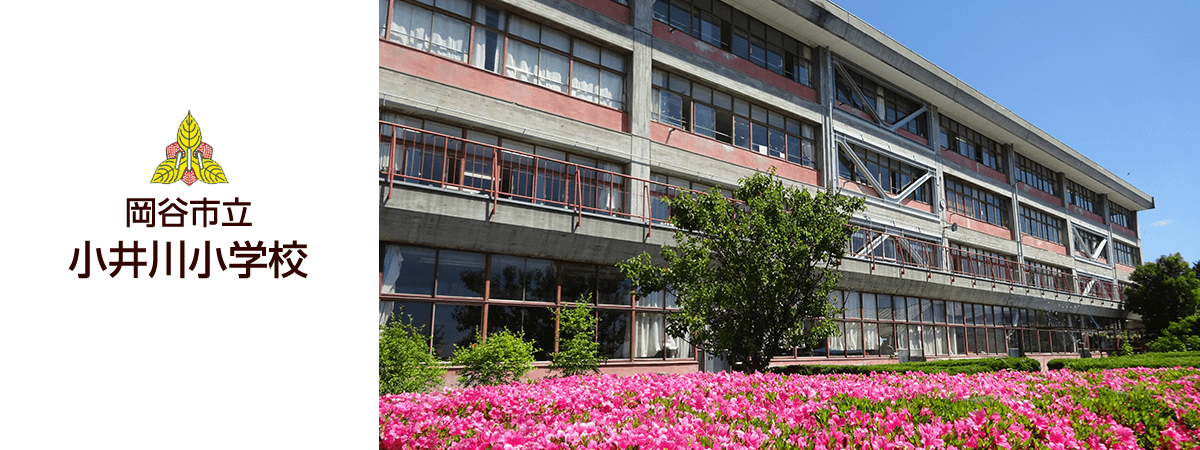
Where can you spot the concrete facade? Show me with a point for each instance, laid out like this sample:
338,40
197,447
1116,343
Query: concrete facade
485,204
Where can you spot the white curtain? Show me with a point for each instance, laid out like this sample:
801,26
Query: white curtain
838,343
952,340
678,347
649,335
612,90
871,330
930,344
584,82
392,260
385,311
450,37
410,25
488,45
522,62
552,71
854,337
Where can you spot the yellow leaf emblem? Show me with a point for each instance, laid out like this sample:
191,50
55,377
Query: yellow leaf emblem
188,136
167,172
211,173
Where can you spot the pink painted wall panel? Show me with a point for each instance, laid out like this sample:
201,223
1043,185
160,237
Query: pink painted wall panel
979,225
973,165
710,147
609,8
403,59
686,41
1044,245
1033,192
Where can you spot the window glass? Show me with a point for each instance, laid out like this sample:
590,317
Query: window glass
612,89
460,274
926,311
899,308
959,344
650,335
407,270
853,308
455,325
450,37
868,306
887,344
939,311
522,61
489,16
537,323
419,315
613,334
552,71
613,287
705,120
578,281
587,51
488,45
884,309
557,40
585,82
411,25
612,60
914,309
854,338
525,28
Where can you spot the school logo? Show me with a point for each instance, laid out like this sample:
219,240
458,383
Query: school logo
189,158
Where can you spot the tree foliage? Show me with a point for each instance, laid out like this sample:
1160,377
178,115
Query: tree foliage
406,364
1180,336
578,352
502,358
752,275
1163,291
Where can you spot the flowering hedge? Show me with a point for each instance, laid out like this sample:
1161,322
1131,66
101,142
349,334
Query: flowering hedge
1115,409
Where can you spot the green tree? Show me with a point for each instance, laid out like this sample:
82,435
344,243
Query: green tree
1163,291
406,363
1180,336
501,358
751,275
578,352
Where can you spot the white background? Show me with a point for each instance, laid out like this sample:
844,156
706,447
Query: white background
92,93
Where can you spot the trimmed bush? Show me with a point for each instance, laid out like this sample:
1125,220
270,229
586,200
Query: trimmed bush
502,358
1169,359
406,363
578,352
952,366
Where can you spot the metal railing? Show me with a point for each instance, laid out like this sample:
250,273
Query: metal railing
411,155
910,253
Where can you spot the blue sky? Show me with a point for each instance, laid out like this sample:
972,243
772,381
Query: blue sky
1117,81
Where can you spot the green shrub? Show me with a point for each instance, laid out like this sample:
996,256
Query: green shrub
1180,336
1153,360
502,358
406,363
578,352
951,366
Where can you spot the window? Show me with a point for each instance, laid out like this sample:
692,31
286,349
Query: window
512,45
893,175
663,187
977,261
1036,175
1122,216
678,102
1090,242
1046,276
1127,254
527,172
976,203
974,146
897,107
446,294
729,29
1082,197
1041,225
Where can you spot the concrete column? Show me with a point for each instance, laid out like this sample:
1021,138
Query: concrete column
1069,233
829,160
640,91
1010,156
935,126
